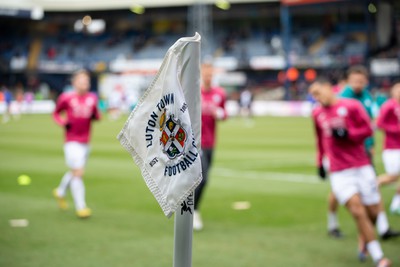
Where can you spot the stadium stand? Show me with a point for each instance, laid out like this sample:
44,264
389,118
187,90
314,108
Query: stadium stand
245,33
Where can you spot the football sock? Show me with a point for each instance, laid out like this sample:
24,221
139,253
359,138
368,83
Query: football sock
332,221
395,202
382,223
375,250
62,188
78,193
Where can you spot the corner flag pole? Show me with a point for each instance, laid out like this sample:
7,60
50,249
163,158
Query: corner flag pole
176,89
183,233
190,80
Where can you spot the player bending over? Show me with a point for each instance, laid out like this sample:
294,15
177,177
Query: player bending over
341,127
80,108
389,121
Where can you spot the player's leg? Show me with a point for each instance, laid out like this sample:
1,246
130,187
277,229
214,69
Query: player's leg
371,198
78,193
333,205
378,216
391,161
386,179
395,205
382,223
333,222
60,192
206,159
346,187
64,184
77,154
362,249
366,229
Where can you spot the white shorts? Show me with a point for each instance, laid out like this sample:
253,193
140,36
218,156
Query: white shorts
349,182
391,161
76,154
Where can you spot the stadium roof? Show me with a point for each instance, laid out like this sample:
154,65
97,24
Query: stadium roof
79,5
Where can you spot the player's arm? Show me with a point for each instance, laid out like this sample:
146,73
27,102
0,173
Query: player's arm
96,113
221,113
359,127
320,149
61,106
381,121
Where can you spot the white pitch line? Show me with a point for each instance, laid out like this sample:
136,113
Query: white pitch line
276,164
268,176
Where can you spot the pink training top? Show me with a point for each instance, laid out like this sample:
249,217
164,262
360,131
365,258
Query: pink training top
80,111
346,153
212,108
389,121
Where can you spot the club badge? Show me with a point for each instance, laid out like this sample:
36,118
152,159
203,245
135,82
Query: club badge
173,136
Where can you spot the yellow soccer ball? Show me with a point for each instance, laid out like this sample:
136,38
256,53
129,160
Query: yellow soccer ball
24,179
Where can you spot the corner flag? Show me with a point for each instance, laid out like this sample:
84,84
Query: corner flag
163,132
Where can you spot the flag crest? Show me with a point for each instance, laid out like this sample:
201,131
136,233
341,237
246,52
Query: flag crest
163,131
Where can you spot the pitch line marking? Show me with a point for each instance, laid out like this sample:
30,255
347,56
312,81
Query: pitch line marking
268,176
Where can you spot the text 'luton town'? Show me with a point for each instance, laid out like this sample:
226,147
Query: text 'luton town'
152,122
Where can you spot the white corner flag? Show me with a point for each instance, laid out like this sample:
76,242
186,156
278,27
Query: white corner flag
163,132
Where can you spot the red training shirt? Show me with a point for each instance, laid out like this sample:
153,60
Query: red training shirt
80,111
212,108
389,121
349,152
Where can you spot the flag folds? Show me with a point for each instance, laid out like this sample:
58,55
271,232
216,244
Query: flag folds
163,132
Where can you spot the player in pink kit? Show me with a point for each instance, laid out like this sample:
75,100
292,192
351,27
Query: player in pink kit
341,127
80,109
389,121
212,109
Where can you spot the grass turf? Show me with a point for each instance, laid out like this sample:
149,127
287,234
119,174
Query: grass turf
269,162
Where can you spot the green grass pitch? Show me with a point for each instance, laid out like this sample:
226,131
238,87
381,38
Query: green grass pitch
269,163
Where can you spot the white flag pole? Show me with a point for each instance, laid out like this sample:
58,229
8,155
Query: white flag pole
183,227
179,73
183,234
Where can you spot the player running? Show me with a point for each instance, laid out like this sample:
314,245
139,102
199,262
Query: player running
357,82
355,88
341,127
389,121
333,205
80,108
212,109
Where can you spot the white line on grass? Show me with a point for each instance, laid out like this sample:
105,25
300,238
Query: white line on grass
272,163
268,176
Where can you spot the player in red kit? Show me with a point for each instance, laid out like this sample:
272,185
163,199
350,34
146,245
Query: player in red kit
341,126
75,112
212,109
389,121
